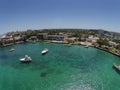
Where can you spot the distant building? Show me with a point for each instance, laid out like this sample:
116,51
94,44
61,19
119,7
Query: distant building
42,36
113,44
32,38
71,40
6,40
108,35
117,37
92,39
18,39
56,37
82,37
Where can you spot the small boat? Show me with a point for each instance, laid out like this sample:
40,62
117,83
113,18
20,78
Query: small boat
44,51
12,49
26,59
86,46
116,67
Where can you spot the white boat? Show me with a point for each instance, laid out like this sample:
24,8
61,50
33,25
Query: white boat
12,49
44,51
116,67
26,59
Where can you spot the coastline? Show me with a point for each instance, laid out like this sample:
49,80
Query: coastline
107,51
70,44
100,49
60,61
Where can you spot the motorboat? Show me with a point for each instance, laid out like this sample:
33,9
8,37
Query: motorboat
26,59
116,67
44,51
12,49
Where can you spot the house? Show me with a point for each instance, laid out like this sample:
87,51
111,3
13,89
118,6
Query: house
71,40
6,40
42,36
117,37
113,43
82,37
32,38
108,35
92,39
18,39
56,37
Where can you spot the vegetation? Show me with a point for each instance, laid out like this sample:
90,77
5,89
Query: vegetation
82,35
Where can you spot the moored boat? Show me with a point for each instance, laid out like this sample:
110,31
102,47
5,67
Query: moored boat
44,51
12,49
116,67
26,59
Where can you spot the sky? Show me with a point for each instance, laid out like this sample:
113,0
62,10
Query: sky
20,15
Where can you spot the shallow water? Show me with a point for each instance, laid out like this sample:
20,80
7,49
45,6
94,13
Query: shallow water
62,68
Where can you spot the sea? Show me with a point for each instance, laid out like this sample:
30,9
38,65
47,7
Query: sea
62,68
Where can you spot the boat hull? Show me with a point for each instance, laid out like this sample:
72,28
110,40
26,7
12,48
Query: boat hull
116,67
44,51
25,61
11,50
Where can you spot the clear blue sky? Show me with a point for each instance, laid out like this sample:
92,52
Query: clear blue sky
39,14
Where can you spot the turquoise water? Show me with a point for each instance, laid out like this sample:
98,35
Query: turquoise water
62,68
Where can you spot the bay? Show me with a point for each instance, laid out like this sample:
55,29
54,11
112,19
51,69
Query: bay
62,68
